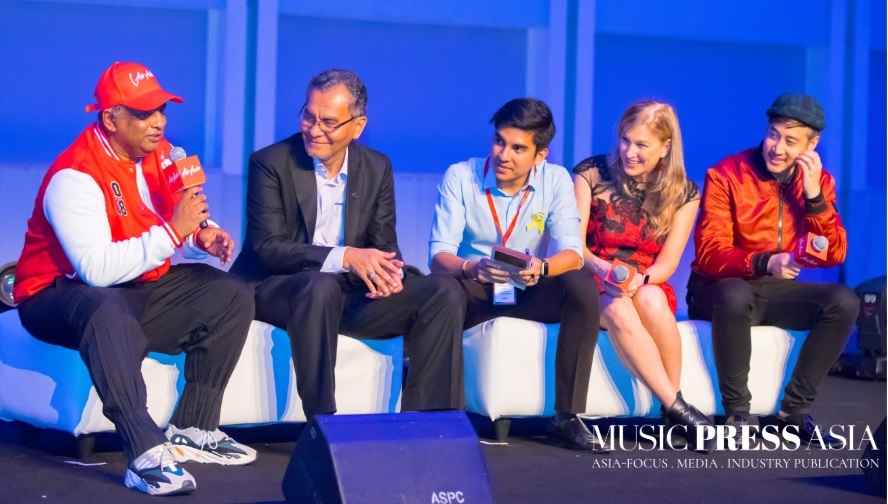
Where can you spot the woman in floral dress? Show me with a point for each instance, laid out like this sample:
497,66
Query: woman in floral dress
638,206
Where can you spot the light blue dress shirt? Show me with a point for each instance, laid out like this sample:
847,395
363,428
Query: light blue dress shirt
330,223
463,224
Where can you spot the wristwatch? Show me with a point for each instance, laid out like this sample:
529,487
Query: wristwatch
544,271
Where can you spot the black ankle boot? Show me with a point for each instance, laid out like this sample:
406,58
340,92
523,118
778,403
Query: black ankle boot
682,413
675,440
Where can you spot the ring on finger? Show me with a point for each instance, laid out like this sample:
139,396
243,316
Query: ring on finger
371,275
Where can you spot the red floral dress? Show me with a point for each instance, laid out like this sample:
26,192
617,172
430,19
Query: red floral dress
618,227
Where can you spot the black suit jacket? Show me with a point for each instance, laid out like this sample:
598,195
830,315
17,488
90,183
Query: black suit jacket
282,200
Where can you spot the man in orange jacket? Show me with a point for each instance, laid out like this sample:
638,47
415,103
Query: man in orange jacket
756,207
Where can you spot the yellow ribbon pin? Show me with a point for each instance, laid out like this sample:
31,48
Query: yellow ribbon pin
536,221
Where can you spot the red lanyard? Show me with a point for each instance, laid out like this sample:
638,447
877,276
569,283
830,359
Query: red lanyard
499,228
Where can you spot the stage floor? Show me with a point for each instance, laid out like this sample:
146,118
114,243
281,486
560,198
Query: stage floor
524,471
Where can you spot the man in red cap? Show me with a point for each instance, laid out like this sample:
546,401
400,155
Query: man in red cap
95,276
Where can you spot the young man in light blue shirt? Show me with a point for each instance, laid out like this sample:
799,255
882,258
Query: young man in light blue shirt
514,198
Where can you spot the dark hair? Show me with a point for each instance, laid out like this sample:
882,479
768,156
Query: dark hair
335,76
527,114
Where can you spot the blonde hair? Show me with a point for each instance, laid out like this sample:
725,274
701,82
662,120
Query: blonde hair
666,193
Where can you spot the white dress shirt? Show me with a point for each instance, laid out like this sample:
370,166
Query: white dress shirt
330,223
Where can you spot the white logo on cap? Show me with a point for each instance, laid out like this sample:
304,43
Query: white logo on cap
140,77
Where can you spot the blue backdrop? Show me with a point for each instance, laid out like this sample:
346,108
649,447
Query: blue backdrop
436,72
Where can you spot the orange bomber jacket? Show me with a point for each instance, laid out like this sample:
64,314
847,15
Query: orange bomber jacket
746,216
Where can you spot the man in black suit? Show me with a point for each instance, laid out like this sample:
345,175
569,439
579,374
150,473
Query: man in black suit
322,254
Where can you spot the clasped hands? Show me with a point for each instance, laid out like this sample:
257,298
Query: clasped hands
486,270
379,270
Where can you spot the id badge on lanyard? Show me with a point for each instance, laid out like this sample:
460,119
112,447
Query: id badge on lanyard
504,293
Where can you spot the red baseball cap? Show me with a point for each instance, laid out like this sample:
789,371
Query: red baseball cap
131,85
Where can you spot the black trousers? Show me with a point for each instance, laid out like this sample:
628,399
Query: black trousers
194,308
315,307
570,299
735,305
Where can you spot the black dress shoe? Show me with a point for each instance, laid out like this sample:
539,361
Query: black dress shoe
738,421
682,413
807,430
573,434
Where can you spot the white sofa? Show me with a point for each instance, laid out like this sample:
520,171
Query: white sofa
509,369
510,363
48,386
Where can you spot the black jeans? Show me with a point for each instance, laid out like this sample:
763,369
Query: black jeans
570,299
316,307
194,308
735,305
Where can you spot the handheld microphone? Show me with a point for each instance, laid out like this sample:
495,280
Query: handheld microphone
621,275
184,172
811,250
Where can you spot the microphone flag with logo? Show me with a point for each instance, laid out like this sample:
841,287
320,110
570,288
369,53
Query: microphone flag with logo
621,275
184,172
811,250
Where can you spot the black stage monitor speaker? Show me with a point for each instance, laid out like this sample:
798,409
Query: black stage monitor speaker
871,321
871,329
430,457
868,359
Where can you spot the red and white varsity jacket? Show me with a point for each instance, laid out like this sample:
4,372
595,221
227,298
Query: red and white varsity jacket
100,218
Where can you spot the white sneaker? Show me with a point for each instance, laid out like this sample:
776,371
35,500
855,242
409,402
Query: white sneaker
155,472
209,447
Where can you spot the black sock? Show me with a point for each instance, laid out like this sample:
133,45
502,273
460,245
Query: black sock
561,417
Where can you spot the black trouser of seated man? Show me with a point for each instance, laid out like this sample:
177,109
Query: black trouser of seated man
570,299
316,307
734,306
194,308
